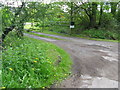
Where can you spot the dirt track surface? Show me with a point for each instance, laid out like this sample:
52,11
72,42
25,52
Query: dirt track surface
95,63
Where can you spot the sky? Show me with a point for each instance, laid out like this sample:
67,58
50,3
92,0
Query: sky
16,3
47,1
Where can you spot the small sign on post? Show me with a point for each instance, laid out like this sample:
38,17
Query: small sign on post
72,25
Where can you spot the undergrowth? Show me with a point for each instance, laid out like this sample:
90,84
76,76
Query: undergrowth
31,63
100,34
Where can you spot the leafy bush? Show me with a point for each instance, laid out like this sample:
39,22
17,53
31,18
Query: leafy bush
118,16
30,63
100,33
108,22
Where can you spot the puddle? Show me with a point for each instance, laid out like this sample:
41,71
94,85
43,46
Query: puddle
104,51
86,77
97,82
100,45
102,82
109,58
110,55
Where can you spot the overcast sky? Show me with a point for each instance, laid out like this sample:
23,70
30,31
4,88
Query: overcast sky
16,3
47,1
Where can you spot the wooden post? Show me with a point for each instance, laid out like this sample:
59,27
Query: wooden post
71,17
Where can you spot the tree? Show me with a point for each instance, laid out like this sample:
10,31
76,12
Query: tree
90,10
118,14
101,13
93,15
113,8
13,22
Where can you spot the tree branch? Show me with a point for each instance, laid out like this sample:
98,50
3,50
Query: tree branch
7,30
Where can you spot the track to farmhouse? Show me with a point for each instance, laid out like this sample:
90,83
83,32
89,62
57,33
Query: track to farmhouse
95,63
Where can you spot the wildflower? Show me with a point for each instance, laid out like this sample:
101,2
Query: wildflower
43,87
36,58
10,69
33,68
3,87
34,61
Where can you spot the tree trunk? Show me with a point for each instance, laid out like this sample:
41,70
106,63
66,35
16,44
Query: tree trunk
92,21
101,12
20,29
113,8
92,16
7,30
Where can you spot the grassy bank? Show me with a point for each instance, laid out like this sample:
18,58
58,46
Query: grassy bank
31,63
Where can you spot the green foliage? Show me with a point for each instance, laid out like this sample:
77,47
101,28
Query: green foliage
108,22
100,33
31,63
7,17
118,16
56,16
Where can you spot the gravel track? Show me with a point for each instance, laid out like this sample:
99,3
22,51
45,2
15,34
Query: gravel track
95,63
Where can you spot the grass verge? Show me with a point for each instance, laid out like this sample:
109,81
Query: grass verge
31,63
79,36
44,36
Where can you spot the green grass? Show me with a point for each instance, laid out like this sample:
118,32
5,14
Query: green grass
44,36
31,63
96,39
55,33
27,26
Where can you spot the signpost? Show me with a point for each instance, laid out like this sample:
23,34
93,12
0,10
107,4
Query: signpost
72,24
